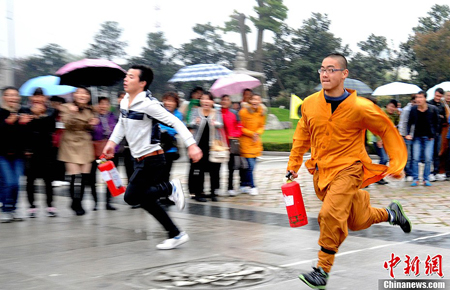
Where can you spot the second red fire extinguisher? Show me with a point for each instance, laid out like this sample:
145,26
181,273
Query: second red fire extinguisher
111,176
294,203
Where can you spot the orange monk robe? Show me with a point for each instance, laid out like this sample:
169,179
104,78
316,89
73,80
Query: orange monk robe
337,140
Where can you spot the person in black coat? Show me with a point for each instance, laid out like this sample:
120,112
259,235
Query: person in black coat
437,102
13,125
40,157
422,127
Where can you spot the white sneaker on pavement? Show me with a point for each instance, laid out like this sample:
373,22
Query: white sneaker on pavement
253,191
431,178
6,217
32,213
232,192
51,212
177,195
16,217
244,189
409,179
174,242
441,177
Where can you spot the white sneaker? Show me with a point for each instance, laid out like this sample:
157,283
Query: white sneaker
174,242
51,212
6,217
441,177
16,217
177,195
32,213
431,178
253,191
232,192
244,189
409,179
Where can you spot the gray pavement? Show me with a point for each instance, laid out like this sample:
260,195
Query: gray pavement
241,242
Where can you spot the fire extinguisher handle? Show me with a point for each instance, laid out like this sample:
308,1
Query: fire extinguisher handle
289,175
101,158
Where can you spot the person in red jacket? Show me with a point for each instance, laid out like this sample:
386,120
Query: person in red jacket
233,130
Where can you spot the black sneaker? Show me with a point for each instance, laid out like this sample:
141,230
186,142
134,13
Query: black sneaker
400,218
316,279
382,182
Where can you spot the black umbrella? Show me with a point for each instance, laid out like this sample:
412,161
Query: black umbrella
91,72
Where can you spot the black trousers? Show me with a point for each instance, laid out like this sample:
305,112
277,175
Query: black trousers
31,189
231,169
197,176
39,165
146,186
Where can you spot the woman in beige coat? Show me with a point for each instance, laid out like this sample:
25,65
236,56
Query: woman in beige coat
76,148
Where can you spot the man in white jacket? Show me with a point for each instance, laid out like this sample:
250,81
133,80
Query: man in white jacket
140,115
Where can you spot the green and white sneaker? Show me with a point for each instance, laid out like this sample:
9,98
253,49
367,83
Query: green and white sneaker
398,217
316,279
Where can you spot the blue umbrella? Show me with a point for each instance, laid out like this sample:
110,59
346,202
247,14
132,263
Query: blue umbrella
49,84
200,72
357,85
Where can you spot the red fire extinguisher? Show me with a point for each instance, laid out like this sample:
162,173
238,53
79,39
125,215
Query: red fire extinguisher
111,176
294,202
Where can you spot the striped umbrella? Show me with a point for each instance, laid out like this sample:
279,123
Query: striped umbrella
200,72
357,85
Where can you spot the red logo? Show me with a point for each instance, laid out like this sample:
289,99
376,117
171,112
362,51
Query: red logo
433,265
391,264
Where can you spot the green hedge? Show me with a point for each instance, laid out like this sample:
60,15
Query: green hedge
282,147
286,147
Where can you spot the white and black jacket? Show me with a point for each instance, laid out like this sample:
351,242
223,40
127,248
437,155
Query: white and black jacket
139,124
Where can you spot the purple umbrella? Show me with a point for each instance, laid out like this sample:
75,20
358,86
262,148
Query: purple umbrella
91,72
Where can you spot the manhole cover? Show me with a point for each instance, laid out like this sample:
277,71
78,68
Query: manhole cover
206,275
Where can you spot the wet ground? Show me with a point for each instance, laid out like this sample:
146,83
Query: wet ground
241,242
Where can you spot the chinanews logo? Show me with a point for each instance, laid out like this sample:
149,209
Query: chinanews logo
414,284
414,266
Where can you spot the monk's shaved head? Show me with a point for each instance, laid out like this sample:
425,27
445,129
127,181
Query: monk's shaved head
340,58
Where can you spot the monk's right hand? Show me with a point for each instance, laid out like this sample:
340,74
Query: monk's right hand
294,174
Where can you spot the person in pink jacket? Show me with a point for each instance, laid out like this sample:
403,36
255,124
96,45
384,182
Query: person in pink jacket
233,130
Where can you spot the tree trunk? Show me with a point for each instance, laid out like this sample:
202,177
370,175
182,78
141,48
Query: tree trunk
277,76
259,52
259,42
241,20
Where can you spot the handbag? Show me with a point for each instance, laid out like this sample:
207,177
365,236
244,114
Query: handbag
234,147
219,151
240,163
